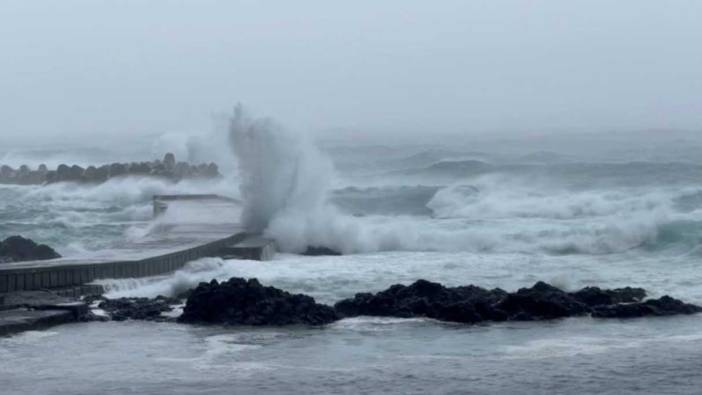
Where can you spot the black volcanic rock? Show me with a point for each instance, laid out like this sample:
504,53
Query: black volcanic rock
242,302
17,249
423,298
246,302
122,309
662,306
542,301
471,304
320,251
594,296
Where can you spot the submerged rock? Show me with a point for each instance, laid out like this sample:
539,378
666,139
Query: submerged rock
17,249
242,302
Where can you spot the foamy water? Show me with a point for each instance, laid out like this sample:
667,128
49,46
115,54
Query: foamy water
495,223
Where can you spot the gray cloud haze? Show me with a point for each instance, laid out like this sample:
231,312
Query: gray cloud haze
97,68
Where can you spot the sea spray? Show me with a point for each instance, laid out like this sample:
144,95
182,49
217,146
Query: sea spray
285,182
281,173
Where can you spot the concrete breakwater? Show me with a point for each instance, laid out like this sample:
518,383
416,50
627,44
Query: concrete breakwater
168,247
167,168
72,275
32,310
25,300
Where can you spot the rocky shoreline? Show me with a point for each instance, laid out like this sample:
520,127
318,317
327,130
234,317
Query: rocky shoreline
240,301
472,305
167,168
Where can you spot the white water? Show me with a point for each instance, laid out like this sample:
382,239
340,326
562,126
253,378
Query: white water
286,180
642,227
76,218
281,174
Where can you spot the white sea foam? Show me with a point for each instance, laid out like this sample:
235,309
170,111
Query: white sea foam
127,190
281,172
202,270
285,181
495,196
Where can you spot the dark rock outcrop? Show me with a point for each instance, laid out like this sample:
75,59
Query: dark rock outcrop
122,309
594,296
662,306
320,251
17,249
246,302
467,304
472,304
542,301
242,302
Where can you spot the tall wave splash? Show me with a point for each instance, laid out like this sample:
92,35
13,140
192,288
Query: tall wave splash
283,177
285,183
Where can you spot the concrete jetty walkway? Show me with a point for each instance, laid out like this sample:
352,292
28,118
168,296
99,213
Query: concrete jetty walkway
190,228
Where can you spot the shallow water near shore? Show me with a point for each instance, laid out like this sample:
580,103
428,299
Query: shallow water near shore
389,355
362,355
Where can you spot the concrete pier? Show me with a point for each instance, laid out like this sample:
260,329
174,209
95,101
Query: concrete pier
189,230
254,248
32,310
69,273
20,320
160,202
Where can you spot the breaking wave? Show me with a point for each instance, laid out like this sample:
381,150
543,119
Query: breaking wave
286,189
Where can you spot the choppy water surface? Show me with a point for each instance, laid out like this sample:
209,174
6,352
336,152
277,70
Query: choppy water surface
498,225
653,356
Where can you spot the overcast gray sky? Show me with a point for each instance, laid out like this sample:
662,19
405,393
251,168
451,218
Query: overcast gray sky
71,68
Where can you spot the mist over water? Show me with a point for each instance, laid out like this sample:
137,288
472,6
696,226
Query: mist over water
371,198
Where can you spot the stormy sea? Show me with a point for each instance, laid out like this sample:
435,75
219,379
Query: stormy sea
575,211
